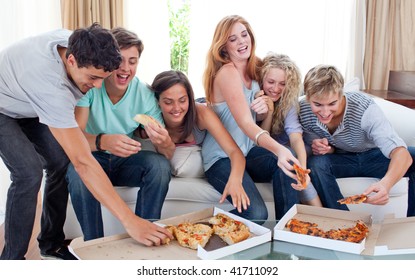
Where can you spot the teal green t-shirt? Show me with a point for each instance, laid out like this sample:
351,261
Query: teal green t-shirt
105,117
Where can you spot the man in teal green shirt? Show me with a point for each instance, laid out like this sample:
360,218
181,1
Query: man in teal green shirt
105,116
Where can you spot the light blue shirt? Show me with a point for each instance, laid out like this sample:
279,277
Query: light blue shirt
211,150
106,117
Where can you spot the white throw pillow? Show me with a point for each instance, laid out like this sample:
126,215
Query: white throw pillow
187,162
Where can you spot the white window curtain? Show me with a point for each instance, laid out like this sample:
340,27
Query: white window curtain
149,19
310,32
20,19
23,18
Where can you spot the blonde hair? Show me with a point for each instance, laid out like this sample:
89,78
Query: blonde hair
323,79
289,96
217,56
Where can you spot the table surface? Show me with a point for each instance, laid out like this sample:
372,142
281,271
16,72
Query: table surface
281,250
393,96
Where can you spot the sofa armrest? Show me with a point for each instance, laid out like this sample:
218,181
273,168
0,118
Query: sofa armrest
401,119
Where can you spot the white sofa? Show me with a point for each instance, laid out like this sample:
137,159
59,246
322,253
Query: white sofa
190,194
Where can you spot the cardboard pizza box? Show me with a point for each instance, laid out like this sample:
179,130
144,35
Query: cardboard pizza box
388,237
122,246
395,237
326,219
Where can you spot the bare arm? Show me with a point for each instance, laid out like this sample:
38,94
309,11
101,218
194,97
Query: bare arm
208,120
76,147
297,144
228,85
401,160
262,105
266,119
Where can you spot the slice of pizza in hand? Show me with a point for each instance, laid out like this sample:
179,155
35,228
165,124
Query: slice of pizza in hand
301,175
145,119
354,199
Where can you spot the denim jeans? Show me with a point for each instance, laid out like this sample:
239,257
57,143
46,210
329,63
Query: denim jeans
261,166
326,168
27,147
148,170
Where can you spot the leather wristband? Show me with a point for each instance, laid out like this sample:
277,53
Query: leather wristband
98,142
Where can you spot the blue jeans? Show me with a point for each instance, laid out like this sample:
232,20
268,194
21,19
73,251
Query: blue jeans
326,168
148,170
27,147
261,166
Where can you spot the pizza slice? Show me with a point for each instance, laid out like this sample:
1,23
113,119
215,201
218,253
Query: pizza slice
352,234
145,119
236,236
362,227
191,235
303,227
171,229
301,175
220,219
354,199
313,231
299,223
229,230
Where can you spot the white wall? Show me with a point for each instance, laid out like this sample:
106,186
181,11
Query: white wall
149,20
23,18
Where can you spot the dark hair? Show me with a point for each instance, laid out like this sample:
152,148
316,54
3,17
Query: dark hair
166,80
127,39
94,46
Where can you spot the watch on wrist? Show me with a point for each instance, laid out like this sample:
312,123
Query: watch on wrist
98,142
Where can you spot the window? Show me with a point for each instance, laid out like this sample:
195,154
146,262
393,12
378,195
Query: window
310,32
23,18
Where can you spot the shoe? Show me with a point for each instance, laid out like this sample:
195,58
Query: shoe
61,253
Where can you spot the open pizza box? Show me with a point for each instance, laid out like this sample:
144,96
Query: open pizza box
122,246
391,237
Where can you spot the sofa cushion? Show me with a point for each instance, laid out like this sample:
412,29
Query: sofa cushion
199,190
399,116
187,162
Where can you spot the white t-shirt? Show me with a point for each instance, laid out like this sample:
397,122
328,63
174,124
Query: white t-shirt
34,83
